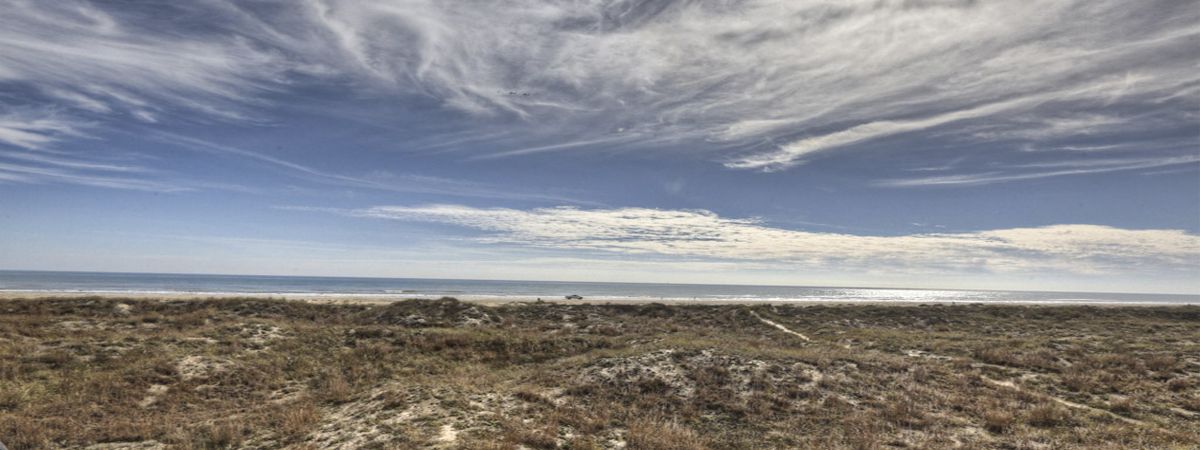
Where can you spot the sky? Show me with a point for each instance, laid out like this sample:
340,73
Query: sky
1033,145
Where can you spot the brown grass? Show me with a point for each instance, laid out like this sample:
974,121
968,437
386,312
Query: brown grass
998,421
1048,414
660,434
252,373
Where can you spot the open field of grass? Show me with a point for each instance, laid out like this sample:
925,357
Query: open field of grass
252,373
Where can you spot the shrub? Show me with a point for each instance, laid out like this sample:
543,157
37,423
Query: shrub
651,434
334,388
1123,405
1161,363
297,420
904,412
23,433
220,435
1079,382
1181,384
998,421
997,355
519,434
1048,415
920,374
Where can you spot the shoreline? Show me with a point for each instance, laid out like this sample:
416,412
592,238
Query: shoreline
497,300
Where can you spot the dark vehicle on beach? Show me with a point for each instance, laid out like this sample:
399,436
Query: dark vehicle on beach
574,297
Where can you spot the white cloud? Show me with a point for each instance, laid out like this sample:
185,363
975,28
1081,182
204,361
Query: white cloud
103,59
758,84
68,163
1064,249
816,76
22,160
791,154
69,173
72,66
28,130
1060,168
377,180
1079,125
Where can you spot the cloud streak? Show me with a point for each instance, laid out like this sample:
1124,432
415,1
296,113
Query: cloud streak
1061,169
377,180
816,77
639,233
131,62
756,85
29,131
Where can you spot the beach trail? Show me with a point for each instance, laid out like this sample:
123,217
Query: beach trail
780,327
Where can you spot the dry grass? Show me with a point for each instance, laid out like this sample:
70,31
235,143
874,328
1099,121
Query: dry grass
659,434
247,373
1048,414
998,421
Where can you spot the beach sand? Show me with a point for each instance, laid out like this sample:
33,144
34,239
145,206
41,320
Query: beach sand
383,299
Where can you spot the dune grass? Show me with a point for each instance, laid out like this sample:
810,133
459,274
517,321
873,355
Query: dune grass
254,373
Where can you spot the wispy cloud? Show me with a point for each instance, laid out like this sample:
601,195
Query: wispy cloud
73,67
25,173
375,180
760,84
1060,168
1064,249
29,130
69,163
105,59
817,77
25,160
792,153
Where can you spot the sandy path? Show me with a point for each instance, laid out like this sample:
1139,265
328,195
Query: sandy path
1013,386
780,327
1062,401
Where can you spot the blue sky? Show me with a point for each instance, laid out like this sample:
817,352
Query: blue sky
1010,145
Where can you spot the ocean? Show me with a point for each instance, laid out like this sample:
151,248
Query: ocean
401,288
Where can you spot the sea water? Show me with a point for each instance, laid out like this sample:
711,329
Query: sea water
401,288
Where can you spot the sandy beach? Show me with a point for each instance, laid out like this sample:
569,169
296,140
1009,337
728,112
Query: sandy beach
383,299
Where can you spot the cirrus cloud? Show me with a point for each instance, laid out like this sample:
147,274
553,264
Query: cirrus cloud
755,84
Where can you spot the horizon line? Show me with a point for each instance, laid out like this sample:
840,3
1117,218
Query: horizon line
599,282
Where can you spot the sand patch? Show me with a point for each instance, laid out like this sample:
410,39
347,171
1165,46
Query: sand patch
926,355
409,418
430,313
259,334
79,325
144,445
199,367
152,395
780,327
1184,412
676,371
447,435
